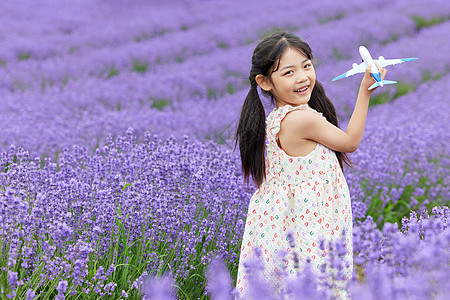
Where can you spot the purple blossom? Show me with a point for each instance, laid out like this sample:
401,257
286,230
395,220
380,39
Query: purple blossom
219,284
30,294
12,279
159,288
62,286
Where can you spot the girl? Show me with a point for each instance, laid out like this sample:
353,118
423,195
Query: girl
301,187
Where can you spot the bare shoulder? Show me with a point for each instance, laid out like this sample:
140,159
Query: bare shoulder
298,120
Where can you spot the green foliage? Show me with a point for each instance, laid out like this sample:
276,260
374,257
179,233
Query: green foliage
266,33
24,56
230,89
221,137
160,104
422,22
109,71
73,49
262,33
140,66
65,80
212,94
336,17
248,41
113,72
338,55
223,45
403,88
381,98
429,76
413,197
389,40
127,256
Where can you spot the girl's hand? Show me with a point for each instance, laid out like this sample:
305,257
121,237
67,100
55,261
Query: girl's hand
368,79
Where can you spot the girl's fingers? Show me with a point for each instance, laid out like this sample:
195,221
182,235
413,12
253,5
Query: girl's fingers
368,70
382,70
378,66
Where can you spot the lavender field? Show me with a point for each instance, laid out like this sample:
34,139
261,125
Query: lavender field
118,174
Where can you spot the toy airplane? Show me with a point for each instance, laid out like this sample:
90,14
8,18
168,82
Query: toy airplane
367,60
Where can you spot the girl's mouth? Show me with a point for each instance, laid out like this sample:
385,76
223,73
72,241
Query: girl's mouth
302,90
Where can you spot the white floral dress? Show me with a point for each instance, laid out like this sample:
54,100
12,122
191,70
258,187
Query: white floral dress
307,195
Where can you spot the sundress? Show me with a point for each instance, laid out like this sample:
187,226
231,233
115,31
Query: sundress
307,195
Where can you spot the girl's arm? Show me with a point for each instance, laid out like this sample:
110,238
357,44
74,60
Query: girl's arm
307,125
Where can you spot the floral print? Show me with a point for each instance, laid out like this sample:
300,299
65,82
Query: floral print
307,195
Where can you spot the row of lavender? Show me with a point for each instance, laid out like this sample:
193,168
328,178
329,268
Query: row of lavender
105,220
402,162
66,28
410,263
64,100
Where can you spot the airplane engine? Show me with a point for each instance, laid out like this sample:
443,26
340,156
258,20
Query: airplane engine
354,65
381,58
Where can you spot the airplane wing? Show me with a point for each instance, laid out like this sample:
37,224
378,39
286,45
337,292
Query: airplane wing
387,62
361,68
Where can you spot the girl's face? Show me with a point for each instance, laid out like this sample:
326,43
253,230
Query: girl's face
294,80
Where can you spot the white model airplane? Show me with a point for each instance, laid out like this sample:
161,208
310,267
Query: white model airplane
367,60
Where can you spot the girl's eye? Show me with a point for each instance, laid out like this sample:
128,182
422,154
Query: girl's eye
307,66
288,72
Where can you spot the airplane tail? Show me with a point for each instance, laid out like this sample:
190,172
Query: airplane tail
382,82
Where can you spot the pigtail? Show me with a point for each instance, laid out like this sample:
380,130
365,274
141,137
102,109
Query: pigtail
321,103
251,136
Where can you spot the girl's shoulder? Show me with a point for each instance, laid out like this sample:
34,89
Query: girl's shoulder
279,113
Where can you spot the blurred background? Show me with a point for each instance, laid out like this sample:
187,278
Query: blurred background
72,72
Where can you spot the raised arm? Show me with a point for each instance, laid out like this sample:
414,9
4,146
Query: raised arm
304,125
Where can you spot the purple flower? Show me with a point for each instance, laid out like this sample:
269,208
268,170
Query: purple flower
12,279
30,294
159,288
62,286
219,284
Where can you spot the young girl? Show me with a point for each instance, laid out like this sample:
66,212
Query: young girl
301,186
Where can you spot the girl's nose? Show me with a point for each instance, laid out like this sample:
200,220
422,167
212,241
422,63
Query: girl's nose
301,77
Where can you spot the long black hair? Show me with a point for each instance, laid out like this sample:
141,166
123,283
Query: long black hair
251,130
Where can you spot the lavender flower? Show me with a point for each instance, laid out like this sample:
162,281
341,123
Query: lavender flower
219,284
159,288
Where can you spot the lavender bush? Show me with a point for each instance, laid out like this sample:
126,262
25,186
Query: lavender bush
410,263
100,223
